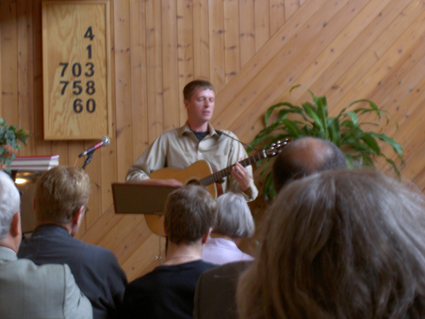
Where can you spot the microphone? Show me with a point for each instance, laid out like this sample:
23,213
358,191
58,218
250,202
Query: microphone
104,141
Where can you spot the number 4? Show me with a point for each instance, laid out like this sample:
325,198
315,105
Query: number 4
89,34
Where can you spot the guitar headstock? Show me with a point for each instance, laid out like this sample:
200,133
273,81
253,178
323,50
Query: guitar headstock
276,148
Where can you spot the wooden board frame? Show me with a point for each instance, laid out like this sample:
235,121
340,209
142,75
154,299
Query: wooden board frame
76,70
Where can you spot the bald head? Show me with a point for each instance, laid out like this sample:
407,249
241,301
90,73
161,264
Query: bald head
305,156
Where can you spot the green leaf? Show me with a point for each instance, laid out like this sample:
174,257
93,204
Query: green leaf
396,146
334,131
292,128
354,118
371,142
322,106
312,113
346,130
271,109
391,162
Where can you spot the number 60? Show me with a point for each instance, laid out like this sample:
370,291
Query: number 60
90,105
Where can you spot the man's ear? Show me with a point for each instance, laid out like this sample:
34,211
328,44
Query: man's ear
15,226
206,236
78,217
186,102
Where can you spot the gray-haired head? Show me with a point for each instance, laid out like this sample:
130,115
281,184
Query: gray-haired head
234,217
9,203
340,244
303,157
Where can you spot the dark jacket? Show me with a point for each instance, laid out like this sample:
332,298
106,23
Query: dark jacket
95,269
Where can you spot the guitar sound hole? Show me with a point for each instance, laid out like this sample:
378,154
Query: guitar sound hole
193,182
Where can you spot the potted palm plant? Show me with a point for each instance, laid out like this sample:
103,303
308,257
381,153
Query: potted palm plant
10,135
345,130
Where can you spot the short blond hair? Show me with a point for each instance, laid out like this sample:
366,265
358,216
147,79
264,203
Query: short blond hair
60,192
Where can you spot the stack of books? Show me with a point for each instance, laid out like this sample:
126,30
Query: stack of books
34,163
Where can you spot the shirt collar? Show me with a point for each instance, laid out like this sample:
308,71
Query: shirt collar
185,128
50,228
7,254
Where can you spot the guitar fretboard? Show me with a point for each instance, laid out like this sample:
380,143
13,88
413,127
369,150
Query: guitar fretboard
218,176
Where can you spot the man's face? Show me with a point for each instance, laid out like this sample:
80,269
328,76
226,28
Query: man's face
200,107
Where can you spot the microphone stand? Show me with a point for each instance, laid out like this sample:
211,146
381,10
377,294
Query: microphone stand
88,159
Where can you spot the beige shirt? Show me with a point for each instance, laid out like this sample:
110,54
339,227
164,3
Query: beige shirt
179,148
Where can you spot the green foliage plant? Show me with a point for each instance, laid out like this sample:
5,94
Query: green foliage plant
10,135
345,130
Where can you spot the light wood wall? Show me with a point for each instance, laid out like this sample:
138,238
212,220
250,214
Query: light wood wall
253,51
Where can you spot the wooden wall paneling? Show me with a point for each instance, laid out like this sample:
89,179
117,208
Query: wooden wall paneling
231,39
419,178
25,71
217,59
42,147
154,69
123,98
9,59
139,80
390,83
140,261
186,44
400,91
247,30
296,55
126,236
373,38
262,23
94,171
104,225
383,64
412,127
155,98
291,6
264,57
201,41
351,43
409,106
170,77
277,15
380,46
108,167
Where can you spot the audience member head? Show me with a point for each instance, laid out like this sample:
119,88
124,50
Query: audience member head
9,211
61,193
234,217
192,86
190,212
303,157
340,244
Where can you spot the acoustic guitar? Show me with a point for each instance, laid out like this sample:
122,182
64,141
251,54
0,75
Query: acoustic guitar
201,173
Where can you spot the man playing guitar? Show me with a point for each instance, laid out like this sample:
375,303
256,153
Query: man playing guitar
195,141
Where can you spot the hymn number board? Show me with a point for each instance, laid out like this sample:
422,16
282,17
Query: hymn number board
76,70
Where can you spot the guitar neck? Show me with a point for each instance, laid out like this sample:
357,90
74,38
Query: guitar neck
218,176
